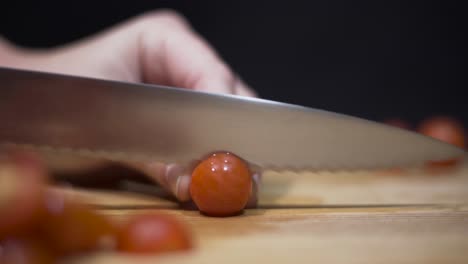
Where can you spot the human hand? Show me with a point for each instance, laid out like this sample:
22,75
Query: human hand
158,47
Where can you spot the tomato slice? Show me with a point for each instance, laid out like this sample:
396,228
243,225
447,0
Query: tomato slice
70,227
153,233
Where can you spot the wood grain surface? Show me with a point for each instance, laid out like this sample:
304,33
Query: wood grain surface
410,216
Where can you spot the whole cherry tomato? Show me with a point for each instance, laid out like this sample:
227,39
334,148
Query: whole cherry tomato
71,227
445,129
22,185
221,184
153,233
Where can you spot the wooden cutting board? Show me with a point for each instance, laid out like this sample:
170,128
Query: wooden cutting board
412,216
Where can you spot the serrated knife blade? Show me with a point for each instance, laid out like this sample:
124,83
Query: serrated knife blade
168,124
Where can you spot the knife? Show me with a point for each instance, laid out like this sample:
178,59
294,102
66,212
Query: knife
122,120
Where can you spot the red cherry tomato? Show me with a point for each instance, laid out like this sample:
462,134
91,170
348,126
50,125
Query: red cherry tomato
25,251
153,233
22,184
397,122
221,184
70,227
444,129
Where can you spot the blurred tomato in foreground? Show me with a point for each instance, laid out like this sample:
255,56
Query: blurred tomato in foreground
70,227
25,251
22,186
39,225
153,233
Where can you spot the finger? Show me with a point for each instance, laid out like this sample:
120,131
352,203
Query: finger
172,177
156,171
178,178
256,183
175,55
242,89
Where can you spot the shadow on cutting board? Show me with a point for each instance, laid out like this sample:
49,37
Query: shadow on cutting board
114,187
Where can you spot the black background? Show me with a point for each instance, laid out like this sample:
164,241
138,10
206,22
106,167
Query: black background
373,59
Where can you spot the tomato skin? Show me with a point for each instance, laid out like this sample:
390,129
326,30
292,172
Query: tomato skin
221,184
24,181
71,228
25,251
445,129
153,233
